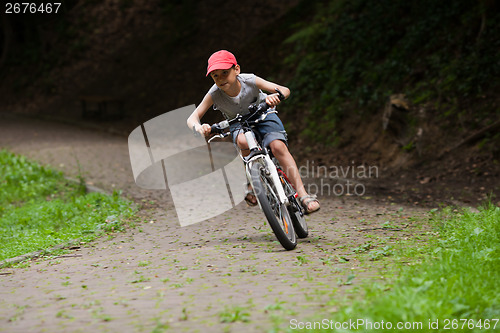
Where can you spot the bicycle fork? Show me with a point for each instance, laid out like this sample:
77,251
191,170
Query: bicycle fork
273,172
268,163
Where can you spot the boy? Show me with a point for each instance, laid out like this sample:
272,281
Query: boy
232,93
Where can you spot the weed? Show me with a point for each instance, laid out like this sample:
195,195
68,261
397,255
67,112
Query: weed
276,306
144,263
140,279
19,313
160,327
235,314
363,248
378,254
177,285
301,260
63,314
347,281
184,315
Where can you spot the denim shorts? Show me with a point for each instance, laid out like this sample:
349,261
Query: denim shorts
269,130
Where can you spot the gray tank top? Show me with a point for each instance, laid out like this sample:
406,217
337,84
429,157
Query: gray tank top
231,106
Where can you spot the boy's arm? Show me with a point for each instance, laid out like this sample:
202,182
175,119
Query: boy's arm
270,87
198,113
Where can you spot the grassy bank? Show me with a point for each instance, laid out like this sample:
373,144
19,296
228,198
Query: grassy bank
449,284
39,208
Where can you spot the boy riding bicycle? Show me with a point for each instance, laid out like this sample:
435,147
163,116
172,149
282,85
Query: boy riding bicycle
232,93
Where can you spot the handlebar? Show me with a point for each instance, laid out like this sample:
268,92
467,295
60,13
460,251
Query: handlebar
255,109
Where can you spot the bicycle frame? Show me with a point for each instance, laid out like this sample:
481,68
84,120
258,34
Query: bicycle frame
258,154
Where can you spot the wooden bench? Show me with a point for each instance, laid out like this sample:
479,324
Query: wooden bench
101,107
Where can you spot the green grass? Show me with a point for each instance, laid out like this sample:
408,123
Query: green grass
453,279
39,208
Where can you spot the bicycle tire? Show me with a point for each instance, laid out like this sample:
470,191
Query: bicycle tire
299,223
295,210
276,213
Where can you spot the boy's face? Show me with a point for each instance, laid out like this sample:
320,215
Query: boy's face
225,79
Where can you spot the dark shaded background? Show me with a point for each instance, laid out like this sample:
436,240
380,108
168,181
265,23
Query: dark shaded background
150,54
415,117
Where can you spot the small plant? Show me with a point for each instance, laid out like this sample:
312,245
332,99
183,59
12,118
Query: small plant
301,260
274,307
63,314
235,314
140,279
160,327
363,248
378,254
388,225
177,285
144,263
347,281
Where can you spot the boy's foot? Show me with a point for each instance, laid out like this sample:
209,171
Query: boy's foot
250,197
310,203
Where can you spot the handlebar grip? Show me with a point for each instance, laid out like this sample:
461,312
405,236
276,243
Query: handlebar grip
215,129
280,94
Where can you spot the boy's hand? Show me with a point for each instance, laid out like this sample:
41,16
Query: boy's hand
202,129
273,100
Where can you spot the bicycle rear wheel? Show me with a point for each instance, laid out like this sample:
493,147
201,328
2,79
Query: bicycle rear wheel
295,210
276,213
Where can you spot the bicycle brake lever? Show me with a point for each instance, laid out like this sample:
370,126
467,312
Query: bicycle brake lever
220,136
264,115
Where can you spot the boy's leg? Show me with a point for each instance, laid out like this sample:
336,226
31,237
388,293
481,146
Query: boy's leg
241,141
287,162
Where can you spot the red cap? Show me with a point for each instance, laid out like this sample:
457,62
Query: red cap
221,60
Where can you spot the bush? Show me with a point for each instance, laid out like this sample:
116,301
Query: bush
356,53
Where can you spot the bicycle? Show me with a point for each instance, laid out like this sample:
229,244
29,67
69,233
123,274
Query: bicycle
275,195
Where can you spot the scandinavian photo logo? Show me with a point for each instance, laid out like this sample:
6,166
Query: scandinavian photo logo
334,180
204,180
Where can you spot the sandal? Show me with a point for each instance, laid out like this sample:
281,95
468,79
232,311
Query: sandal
249,197
306,200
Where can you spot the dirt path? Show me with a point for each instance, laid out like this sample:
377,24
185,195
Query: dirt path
160,275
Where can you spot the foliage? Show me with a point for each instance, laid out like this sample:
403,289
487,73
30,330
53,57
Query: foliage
24,180
40,209
457,281
354,54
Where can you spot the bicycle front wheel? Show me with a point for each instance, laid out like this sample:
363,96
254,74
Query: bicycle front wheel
276,213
